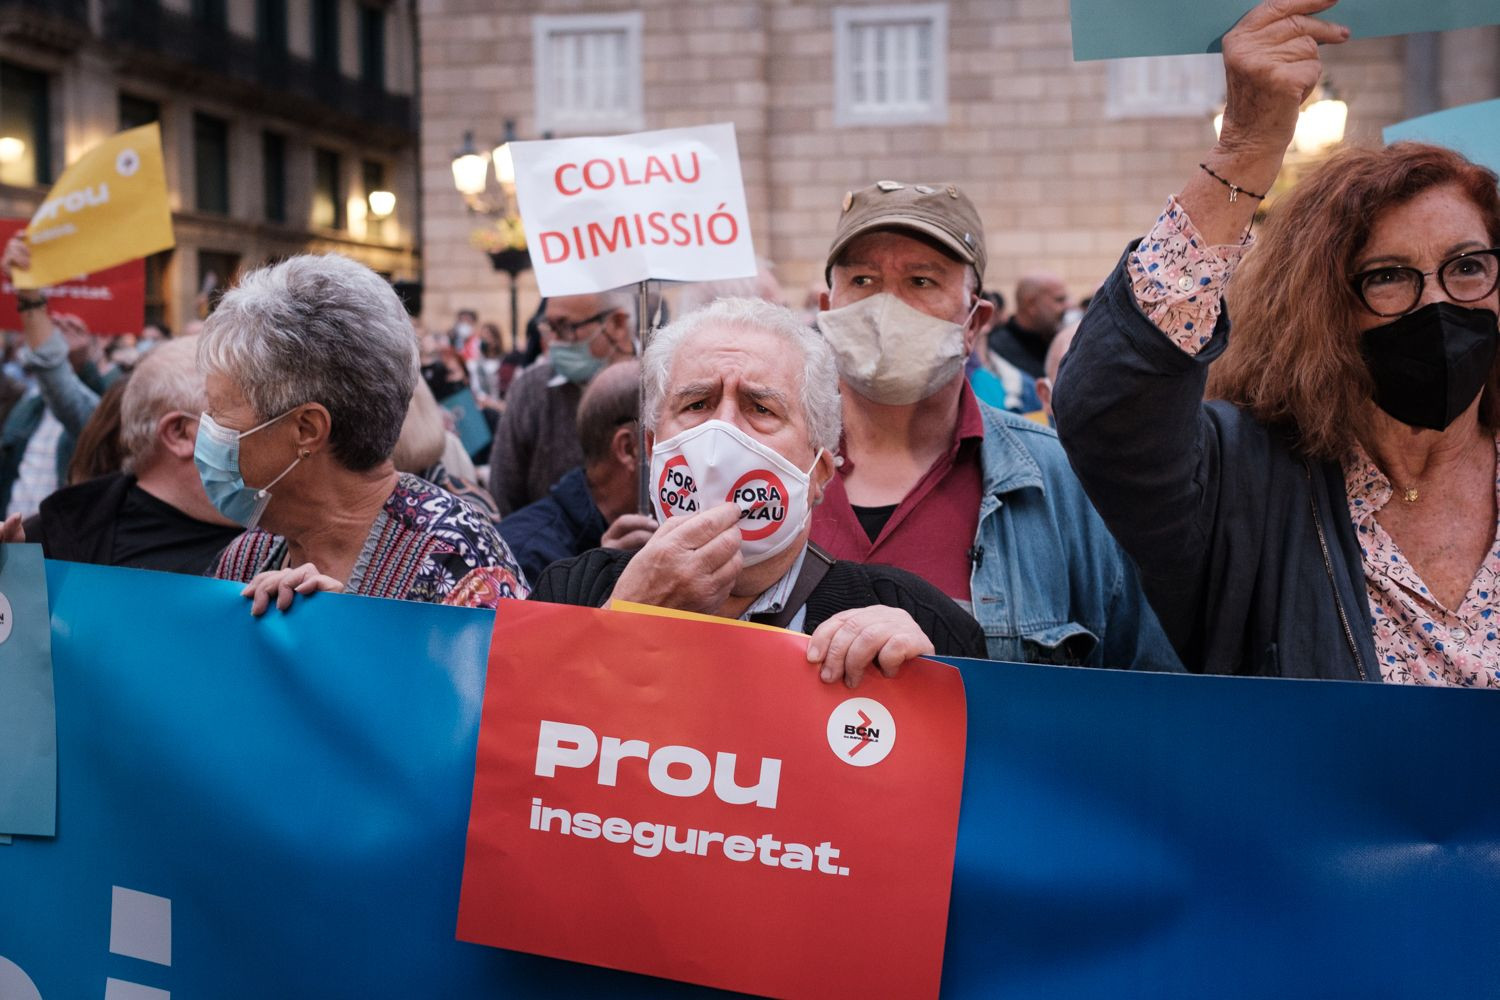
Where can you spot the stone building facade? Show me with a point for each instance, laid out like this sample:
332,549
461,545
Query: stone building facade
1066,161
277,116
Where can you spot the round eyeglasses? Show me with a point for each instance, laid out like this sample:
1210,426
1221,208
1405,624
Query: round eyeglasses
566,331
1394,290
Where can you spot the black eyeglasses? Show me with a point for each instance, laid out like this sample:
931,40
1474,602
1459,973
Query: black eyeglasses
1395,290
566,330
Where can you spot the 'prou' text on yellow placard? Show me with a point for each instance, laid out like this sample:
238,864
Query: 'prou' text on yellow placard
110,206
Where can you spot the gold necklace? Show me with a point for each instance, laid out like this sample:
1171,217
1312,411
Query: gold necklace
1410,494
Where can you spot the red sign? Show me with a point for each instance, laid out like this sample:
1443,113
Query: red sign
687,800
110,301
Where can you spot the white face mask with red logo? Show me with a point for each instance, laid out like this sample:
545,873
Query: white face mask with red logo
716,461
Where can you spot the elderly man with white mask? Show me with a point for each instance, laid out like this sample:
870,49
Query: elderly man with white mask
741,406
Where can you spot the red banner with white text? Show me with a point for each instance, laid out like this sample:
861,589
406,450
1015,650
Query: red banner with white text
109,302
686,799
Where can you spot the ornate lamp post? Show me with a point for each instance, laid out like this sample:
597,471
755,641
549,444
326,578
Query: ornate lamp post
504,240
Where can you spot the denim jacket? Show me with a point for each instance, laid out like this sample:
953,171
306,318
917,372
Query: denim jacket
1049,583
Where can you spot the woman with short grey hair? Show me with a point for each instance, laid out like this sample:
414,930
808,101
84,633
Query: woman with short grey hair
309,368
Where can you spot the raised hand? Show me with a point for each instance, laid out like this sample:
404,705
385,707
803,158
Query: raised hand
1271,65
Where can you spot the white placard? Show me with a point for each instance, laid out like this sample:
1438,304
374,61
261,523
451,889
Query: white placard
600,213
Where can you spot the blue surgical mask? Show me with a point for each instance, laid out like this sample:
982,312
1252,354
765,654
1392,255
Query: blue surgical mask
216,452
575,362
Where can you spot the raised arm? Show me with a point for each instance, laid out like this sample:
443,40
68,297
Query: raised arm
1129,397
46,353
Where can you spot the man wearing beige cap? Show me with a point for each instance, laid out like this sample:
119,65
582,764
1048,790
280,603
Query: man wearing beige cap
979,502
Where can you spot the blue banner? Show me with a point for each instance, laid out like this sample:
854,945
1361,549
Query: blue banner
277,807
28,736
1473,130
1111,29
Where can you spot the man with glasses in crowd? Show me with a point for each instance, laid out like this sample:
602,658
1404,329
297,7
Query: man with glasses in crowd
536,441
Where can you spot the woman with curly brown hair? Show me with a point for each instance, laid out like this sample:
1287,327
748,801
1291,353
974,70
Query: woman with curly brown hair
1332,511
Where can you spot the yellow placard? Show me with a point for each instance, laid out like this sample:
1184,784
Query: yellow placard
110,206
651,609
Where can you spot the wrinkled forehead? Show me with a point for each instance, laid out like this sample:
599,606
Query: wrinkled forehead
736,353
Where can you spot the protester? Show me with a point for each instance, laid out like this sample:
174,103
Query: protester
309,368
978,502
37,439
536,441
1333,512
998,382
1042,304
465,326
742,389
429,450
994,380
595,503
153,514
485,367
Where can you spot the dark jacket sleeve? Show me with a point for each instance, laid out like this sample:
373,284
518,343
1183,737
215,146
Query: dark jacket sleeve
589,579
585,580
536,536
1130,413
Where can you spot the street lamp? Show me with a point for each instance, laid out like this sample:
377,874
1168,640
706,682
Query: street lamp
504,240
382,204
470,170
1320,125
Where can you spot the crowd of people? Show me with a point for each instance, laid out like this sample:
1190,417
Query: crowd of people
1315,496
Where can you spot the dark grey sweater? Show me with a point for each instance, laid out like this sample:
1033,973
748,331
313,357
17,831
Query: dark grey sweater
536,441
588,579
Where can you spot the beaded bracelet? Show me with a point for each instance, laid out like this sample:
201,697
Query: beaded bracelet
1234,189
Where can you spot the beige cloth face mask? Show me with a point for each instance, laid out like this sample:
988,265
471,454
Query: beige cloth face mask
892,353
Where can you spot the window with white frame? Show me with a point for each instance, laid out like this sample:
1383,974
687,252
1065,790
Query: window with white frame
890,64
1165,86
588,72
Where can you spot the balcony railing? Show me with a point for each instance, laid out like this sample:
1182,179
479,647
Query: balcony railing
170,36
54,24
63,10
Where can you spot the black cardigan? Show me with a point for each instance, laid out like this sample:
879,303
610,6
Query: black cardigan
1245,545
588,580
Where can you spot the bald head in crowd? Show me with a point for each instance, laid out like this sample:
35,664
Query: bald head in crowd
1041,302
606,420
159,412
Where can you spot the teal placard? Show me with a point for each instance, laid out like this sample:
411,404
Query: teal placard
28,724
468,421
1473,130
1114,29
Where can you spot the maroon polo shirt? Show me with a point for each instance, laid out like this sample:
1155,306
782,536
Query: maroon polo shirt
933,527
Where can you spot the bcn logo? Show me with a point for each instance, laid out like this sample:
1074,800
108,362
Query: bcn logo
562,744
861,732
140,927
